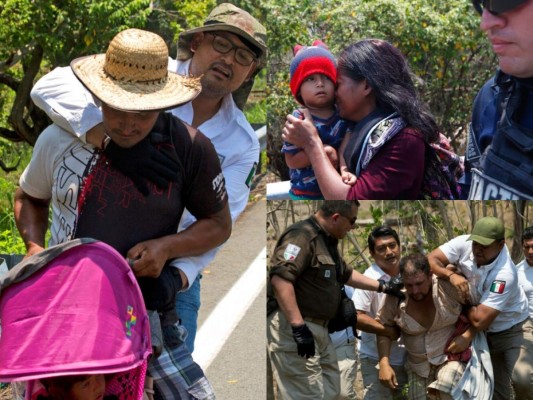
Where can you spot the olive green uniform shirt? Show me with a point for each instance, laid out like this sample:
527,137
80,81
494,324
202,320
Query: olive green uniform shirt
308,257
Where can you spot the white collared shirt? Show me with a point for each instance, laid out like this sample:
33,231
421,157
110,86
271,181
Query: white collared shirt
370,302
497,282
525,280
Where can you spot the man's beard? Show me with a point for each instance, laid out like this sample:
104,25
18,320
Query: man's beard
420,299
212,88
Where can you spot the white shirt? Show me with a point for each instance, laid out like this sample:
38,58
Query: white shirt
370,302
525,280
50,175
497,282
66,101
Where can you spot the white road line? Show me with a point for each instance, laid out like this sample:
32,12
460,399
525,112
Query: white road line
219,325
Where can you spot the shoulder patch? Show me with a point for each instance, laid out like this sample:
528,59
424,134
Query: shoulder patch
251,175
291,252
497,287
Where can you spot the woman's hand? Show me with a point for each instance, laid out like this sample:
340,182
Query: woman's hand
300,132
303,134
332,155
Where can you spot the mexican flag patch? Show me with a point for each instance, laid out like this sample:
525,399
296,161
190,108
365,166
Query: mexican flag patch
497,287
291,252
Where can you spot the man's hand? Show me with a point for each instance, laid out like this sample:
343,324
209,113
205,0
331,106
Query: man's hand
461,284
458,344
304,340
387,377
148,258
393,286
392,331
33,249
143,162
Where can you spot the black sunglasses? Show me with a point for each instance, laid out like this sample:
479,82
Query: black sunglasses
351,220
496,6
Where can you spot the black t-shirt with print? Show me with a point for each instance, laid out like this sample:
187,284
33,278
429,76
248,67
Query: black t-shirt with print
114,211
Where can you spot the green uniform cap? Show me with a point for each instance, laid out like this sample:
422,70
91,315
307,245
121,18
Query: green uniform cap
487,230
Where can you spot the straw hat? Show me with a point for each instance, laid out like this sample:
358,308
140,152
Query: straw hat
133,75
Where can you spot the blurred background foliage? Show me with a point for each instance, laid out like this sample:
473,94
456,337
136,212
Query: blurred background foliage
442,41
421,225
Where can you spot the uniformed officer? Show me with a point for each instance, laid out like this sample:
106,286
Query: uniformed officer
500,143
307,273
486,271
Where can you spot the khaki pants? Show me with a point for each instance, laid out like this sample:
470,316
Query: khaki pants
505,351
316,378
347,361
374,390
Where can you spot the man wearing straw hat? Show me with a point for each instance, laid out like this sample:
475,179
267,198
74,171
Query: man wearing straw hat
227,51
94,190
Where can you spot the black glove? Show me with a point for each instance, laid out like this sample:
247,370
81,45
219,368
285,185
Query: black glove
304,340
392,287
143,162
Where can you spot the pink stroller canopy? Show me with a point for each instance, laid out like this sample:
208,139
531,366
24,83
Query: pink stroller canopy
73,309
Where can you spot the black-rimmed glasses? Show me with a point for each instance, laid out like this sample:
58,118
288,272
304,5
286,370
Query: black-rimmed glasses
242,55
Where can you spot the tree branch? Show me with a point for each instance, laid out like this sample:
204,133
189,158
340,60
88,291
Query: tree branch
10,135
9,81
22,97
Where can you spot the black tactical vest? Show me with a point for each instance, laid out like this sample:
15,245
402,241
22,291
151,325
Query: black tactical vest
505,169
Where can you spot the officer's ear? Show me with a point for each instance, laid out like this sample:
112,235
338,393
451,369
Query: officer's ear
335,217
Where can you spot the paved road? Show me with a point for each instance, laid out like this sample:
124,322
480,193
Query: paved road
233,296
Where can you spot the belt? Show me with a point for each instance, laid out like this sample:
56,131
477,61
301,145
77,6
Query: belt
318,321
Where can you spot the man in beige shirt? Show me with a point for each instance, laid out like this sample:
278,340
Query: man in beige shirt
427,319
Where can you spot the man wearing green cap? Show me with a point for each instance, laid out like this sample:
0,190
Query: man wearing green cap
226,52
482,266
499,151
